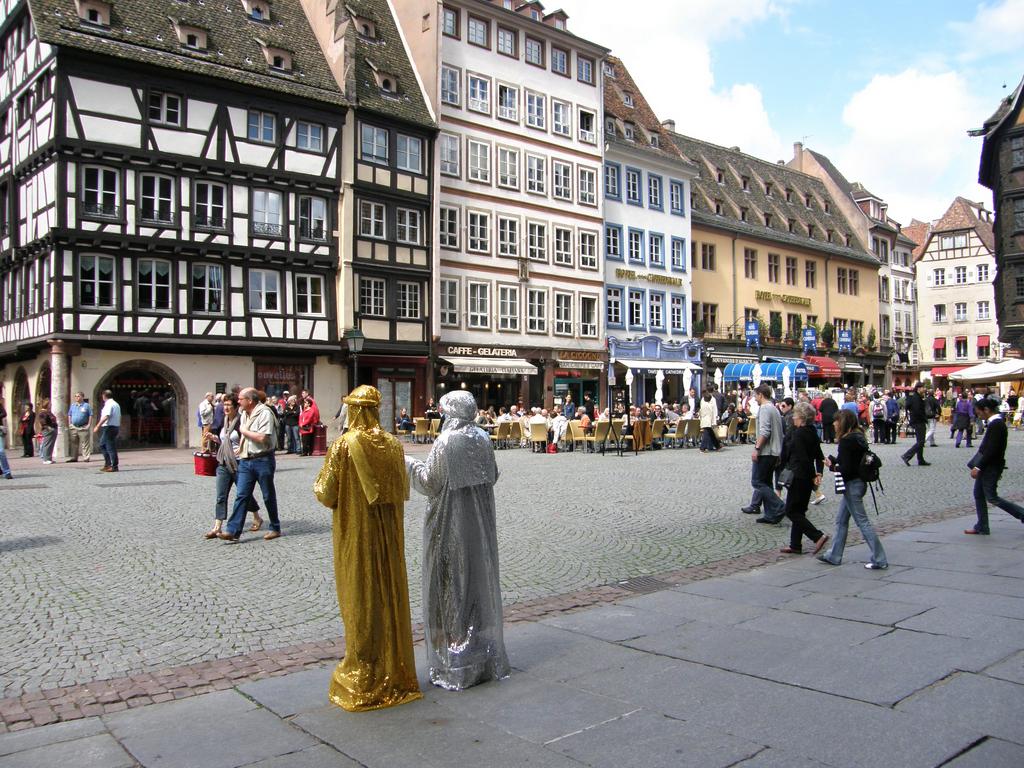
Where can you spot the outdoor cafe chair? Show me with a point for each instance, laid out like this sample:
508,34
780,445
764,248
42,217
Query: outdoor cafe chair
500,436
539,434
421,430
435,428
516,434
692,432
679,435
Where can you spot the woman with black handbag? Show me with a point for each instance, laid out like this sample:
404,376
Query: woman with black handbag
802,463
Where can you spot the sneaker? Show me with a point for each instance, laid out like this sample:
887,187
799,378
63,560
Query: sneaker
8,477
875,567
905,460
766,521
825,560
818,499
749,511
47,462
924,463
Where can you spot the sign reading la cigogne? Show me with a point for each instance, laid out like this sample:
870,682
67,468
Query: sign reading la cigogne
785,298
480,351
650,277
579,354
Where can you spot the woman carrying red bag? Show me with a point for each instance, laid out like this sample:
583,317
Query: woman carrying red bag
307,423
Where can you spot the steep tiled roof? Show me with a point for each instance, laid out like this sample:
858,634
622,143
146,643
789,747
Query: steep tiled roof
618,85
735,166
832,171
143,31
387,53
859,192
963,214
918,233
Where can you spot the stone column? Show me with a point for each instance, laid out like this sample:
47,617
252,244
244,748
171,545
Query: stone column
60,385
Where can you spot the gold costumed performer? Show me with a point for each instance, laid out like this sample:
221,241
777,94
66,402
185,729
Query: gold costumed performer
364,481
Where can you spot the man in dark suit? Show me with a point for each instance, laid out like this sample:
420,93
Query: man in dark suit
918,420
828,410
987,467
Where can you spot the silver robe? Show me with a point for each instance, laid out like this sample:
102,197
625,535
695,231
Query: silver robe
462,595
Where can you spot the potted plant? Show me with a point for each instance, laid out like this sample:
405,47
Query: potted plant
828,335
872,337
775,327
698,329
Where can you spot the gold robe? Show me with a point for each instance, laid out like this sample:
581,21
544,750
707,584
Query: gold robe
379,667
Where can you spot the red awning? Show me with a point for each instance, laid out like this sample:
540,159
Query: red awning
945,370
983,341
827,368
939,343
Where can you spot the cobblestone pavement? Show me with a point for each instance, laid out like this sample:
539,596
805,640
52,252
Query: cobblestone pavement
108,575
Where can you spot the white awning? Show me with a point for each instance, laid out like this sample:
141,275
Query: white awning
508,366
660,365
851,367
581,365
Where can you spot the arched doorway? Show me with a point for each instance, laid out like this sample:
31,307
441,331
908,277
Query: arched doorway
153,402
21,394
43,385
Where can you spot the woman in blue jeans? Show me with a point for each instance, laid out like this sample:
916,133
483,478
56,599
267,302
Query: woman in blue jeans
852,447
227,467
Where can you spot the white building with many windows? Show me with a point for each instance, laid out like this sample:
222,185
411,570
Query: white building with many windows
646,245
520,215
171,187
956,301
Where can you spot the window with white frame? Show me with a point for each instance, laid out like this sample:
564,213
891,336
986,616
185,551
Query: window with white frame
678,253
100,192
451,79
938,277
677,314
611,181
312,217
508,236
95,281
636,308
508,307
371,219
410,154
479,161
450,154
267,216
585,69
262,127
372,292
536,310
588,250
450,22
983,273
960,275
562,179
940,313
535,106
479,240
960,348
588,317
157,199
960,311
561,118
559,61
449,303
632,185
537,241
613,242
478,31
264,290
656,310
654,191
563,246
448,226
588,186
164,108
613,306
675,190
374,144
563,314
409,226
983,310
656,249
508,167
536,173
479,305
508,42
588,127
636,246
153,285
309,136
534,52
407,300
208,205
207,288
508,102
309,295
479,94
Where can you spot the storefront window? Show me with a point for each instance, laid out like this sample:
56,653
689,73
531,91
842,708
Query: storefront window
276,378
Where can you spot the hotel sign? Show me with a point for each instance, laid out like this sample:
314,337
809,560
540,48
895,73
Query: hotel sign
784,298
650,277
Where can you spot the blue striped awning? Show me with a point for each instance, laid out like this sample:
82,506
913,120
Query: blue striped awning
770,370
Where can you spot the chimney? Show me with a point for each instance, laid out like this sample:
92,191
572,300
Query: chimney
798,155
669,125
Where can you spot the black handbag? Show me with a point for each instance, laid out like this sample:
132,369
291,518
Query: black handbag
786,477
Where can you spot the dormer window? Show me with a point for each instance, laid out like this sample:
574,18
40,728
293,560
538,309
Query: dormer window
720,175
94,12
655,140
257,10
768,189
743,214
808,200
789,195
366,28
609,126
767,219
629,131
746,183
278,59
718,207
190,37
627,99
810,230
609,70
828,208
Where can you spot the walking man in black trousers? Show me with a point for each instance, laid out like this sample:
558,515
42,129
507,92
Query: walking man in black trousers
918,419
987,466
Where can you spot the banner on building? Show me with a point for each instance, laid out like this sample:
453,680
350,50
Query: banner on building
846,341
753,334
810,340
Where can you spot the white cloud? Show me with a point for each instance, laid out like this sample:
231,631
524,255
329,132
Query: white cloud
908,141
996,28
672,63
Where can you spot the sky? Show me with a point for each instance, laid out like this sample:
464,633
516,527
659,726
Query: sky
886,90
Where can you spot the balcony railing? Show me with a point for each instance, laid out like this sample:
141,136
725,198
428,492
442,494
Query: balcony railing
213,222
99,209
156,217
267,228
313,231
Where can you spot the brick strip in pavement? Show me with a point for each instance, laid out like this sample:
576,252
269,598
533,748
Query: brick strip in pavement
105,696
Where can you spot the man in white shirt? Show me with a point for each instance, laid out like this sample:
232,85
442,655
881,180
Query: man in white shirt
206,418
256,464
108,426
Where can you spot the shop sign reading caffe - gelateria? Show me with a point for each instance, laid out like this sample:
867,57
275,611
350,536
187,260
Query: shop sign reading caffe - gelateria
456,351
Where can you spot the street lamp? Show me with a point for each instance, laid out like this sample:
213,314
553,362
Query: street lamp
354,338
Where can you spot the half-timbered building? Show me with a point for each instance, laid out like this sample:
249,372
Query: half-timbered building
170,181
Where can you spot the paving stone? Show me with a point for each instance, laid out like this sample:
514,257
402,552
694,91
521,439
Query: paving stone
995,706
50,734
870,610
683,605
945,621
773,757
666,743
801,626
553,654
965,582
1011,669
320,756
614,622
290,694
736,590
991,753
224,730
99,751
938,597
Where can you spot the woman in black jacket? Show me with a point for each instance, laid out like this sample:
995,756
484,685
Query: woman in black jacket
801,455
852,447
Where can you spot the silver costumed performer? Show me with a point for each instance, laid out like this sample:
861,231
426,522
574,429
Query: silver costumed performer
462,619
